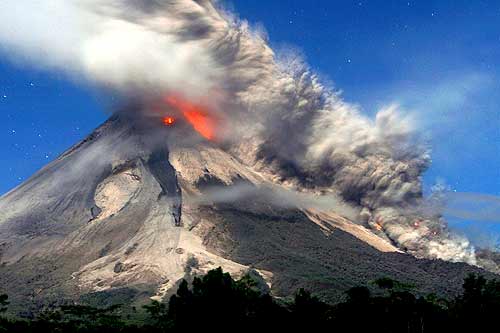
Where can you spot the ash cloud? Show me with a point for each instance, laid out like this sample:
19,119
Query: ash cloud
278,115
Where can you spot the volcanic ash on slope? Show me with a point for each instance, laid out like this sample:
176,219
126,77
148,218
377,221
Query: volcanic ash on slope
119,211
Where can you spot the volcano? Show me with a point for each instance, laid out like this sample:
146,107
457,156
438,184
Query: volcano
116,217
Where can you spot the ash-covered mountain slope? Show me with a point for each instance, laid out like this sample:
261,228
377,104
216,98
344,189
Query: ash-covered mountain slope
120,213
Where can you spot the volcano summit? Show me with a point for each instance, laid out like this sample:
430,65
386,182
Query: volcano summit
120,214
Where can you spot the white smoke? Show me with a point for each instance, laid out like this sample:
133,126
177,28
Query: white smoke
119,44
278,114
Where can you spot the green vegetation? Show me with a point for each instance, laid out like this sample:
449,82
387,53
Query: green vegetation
217,302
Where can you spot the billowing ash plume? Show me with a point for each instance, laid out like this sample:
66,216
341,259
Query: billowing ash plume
273,111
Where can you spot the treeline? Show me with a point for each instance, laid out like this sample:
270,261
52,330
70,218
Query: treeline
217,302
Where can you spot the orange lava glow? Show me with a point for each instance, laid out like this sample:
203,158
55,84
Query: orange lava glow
378,224
196,115
168,121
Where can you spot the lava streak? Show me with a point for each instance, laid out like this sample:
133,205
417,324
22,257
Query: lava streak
196,115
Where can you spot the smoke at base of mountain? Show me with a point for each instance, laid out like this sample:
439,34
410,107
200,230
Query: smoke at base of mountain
274,112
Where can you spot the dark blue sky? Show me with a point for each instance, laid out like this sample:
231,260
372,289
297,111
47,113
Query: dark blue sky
439,59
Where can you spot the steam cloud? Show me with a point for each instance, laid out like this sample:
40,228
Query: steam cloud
278,116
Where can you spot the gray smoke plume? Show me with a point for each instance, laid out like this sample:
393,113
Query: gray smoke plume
274,112
277,196
473,206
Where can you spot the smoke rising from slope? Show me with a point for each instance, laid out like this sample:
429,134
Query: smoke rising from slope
276,196
278,115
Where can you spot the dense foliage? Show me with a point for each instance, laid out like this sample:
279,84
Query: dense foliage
217,302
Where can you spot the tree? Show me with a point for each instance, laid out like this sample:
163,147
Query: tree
4,303
159,315
358,295
385,283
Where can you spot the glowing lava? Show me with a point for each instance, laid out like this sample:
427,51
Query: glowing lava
168,121
196,115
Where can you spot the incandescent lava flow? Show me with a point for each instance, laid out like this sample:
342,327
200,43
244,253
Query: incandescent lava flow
196,115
